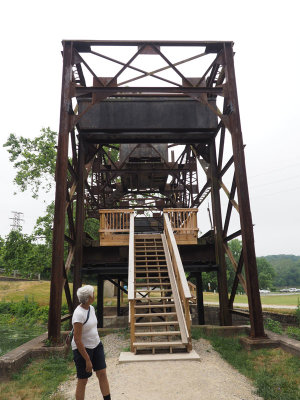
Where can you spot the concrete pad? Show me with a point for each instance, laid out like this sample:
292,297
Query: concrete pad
261,343
127,357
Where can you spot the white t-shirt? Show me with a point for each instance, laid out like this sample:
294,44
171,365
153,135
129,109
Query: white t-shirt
90,337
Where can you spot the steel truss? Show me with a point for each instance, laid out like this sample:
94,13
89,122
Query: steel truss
83,176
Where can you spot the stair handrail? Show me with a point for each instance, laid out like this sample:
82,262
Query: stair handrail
183,287
131,300
131,259
184,223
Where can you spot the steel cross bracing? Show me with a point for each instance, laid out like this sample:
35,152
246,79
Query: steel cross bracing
93,175
108,187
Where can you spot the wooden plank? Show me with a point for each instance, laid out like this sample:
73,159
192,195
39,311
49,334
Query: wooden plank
131,260
158,333
153,298
181,272
132,324
158,344
169,314
235,266
162,323
178,305
146,284
167,305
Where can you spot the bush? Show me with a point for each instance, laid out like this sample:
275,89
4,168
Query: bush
273,326
293,332
26,311
297,312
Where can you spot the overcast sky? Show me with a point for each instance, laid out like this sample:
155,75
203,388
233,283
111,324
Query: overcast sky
266,36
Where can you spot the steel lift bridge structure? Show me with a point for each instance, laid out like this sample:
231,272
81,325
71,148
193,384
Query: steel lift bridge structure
137,139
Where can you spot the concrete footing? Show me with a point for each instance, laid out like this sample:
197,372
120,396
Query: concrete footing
127,357
225,331
258,343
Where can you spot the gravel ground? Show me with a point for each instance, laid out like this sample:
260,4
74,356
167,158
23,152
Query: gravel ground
211,378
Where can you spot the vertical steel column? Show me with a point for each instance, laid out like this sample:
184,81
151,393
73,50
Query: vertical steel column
79,223
255,309
100,301
119,299
225,316
200,304
54,320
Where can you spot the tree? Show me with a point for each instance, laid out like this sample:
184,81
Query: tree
287,269
43,226
22,254
34,160
266,273
16,250
2,245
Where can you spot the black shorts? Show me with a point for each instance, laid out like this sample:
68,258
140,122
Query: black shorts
97,358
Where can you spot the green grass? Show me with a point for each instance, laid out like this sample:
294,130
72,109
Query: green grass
39,290
274,326
293,332
286,300
275,374
38,380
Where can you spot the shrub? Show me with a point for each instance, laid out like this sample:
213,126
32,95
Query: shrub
293,332
273,326
297,312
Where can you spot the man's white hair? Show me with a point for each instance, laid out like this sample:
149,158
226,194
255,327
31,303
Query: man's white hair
84,293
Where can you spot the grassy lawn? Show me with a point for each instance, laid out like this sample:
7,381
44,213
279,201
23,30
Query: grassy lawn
38,380
275,373
39,291
283,300
18,290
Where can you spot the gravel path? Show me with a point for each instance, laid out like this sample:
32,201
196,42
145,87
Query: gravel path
211,378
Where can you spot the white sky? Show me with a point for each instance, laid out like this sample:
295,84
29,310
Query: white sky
266,35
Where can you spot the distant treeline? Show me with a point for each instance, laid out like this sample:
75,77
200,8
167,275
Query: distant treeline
287,269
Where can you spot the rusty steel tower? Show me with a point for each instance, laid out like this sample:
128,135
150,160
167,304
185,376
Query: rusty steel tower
166,124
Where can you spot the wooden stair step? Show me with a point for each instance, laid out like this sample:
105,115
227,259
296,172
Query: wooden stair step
152,277
169,314
153,298
142,284
161,323
150,266
150,251
158,344
158,333
149,257
147,245
156,306
151,272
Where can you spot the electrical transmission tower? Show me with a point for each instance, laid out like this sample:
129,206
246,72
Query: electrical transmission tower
17,220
